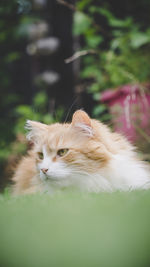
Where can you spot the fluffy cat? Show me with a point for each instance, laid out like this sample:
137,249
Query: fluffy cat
84,154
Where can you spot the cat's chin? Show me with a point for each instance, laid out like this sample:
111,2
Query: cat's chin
50,178
50,183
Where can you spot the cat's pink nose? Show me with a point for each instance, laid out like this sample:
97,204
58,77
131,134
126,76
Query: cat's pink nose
44,170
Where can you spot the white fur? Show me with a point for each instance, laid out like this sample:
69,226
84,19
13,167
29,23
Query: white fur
87,130
125,173
28,127
56,169
122,173
35,129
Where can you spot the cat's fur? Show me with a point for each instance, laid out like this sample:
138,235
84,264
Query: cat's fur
97,160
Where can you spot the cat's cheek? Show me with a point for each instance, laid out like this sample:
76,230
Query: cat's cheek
38,168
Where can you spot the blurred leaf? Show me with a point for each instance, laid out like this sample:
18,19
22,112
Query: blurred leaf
24,110
94,88
99,109
139,38
94,41
47,118
40,100
91,72
81,23
12,57
83,4
96,96
113,21
3,36
115,43
59,113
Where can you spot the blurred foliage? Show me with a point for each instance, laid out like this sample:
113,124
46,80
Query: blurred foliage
121,45
38,111
18,100
9,53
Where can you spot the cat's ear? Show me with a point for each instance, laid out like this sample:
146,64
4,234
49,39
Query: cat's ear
82,121
35,130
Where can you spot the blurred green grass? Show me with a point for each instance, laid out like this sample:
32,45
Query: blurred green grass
74,229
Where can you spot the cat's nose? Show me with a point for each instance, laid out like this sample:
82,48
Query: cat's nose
44,170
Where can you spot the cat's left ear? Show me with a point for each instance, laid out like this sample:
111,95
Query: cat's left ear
35,130
82,121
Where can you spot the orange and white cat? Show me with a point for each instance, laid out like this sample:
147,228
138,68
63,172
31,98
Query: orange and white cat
84,154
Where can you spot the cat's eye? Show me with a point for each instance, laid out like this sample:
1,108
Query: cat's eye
40,155
62,152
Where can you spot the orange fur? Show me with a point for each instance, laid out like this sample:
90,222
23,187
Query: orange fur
91,146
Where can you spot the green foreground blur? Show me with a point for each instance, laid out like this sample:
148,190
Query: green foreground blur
73,229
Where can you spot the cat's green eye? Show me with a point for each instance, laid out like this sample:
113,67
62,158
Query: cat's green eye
40,155
62,152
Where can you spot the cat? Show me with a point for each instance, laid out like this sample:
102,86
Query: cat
84,154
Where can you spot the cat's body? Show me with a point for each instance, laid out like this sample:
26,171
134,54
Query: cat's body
84,154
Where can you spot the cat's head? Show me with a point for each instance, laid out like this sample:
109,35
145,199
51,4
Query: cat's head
65,151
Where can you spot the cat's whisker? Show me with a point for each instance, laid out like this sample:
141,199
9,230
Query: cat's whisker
70,108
